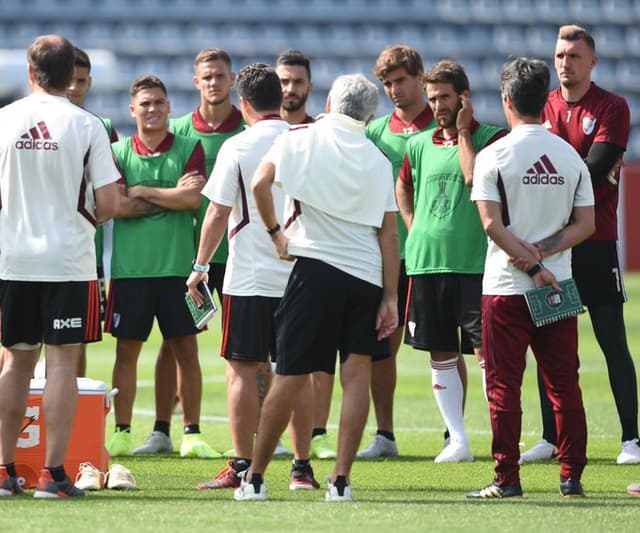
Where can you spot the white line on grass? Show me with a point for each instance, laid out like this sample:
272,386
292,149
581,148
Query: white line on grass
368,429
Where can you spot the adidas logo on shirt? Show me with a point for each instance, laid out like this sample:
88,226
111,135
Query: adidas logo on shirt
542,173
37,138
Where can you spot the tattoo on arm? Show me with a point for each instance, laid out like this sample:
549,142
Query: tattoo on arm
548,245
147,208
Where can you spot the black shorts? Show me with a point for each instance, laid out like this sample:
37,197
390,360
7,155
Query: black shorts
216,278
134,303
403,290
444,313
325,310
55,313
248,332
597,272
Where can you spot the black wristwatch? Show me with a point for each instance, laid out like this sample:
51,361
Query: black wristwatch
273,230
535,269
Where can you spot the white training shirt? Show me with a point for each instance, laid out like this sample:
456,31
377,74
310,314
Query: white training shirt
342,185
53,154
538,178
253,268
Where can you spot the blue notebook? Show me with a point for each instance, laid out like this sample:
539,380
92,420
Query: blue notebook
547,305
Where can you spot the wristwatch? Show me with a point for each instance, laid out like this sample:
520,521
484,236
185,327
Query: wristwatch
535,269
199,268
273,230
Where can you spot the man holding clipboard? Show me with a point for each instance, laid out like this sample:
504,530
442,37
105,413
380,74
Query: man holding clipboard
535,201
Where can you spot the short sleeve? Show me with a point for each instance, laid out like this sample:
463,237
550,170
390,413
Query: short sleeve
223,184
101,165
274,155
391,193
584,191
614,124
485,177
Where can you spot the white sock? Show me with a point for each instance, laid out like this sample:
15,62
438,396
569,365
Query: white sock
447,390
484,379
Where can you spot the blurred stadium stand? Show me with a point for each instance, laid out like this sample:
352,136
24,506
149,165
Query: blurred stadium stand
163,36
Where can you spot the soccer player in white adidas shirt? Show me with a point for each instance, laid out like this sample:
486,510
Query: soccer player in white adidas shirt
535,200
255,278
57,180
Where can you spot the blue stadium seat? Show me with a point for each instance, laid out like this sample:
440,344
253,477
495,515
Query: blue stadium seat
633,99
628,74
475,72
492,67
314,41
633,147
522,11
397,11
156,65
188,8
458,42
362,65
102,34
487,107
509,40
44,11
342,39
170,38
370,40
541,41
455,11
20,35
620,11
113,10
201,35
183,101
244,39
316,102
586,11
69,30
553,12
633,39
487,11
181,69
324,71
277,38
114,105
411,35
610,41
128,67
605,73
136,38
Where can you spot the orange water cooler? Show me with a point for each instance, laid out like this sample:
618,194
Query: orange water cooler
87,437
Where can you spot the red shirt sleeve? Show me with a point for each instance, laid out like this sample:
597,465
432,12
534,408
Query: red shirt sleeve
405,173
614,124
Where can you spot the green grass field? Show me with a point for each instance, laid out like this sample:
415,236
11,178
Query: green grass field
410,493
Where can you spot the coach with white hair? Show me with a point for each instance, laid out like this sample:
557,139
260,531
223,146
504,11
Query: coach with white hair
340,227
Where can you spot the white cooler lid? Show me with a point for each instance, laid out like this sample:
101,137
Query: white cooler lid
85,386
